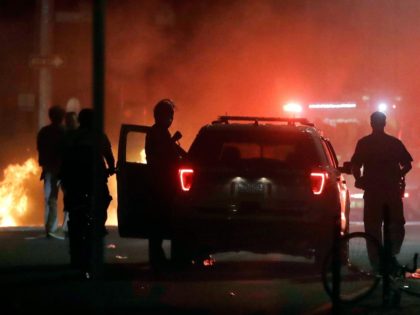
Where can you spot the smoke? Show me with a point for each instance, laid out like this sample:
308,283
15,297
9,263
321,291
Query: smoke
249,57
212,58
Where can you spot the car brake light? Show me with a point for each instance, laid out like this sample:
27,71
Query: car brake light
186,176
318,182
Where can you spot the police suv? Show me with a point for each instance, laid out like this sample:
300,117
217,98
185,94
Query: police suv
257,184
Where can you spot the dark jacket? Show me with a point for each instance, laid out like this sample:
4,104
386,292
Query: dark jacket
162,155
381,156
49,139
79,163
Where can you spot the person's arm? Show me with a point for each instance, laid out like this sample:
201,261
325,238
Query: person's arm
40,146
405,160
356,162
179,150
406,167
355,169
109,156
356,165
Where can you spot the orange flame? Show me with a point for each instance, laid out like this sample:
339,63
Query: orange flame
15,200
112,185
13,192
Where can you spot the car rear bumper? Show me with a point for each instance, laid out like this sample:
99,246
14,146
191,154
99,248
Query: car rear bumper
262,235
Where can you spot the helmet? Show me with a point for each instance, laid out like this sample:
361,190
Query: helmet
164,108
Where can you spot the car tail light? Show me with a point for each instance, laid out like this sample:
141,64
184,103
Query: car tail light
318,182
185,177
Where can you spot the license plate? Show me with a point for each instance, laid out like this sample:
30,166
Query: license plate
250,188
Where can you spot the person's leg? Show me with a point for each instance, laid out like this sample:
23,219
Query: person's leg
47,192
51,195
50,200
373,223
102,214
156,254
75,239
80,239
64,226
65,221
396,224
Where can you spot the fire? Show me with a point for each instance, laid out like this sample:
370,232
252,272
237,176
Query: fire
13,192
112,185
143,156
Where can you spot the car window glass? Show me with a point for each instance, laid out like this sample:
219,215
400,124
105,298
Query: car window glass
135,152
327,153
246,151
332,152
291,149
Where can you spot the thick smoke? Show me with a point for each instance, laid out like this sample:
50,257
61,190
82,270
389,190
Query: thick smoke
250,57
213,58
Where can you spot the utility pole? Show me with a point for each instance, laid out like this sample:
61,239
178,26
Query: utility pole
98,14
45,45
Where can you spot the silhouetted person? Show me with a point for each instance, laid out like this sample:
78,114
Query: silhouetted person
71,124
163,155
71,121
385,162
77,171
49,158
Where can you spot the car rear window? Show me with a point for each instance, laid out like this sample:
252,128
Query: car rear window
292,149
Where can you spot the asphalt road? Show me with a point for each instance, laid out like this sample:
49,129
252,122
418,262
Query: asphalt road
35,275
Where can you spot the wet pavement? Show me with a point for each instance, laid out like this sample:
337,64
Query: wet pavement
35,275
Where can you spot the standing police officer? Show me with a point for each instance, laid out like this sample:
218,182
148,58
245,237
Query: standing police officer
79,163
385,162
162,154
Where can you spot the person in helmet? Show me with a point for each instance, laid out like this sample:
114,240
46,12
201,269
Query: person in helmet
163,155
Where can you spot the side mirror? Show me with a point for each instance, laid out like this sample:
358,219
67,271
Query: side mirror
346,168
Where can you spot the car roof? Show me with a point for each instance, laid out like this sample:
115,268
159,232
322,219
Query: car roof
266,124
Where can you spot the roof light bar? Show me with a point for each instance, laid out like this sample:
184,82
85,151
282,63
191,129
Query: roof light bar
382,107
292,108
291,121
332,106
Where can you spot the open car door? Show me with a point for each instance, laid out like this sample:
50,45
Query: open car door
132,183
